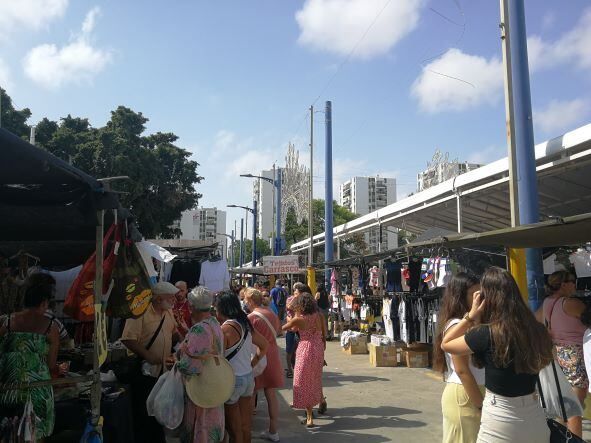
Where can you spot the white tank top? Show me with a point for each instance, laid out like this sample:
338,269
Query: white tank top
241,362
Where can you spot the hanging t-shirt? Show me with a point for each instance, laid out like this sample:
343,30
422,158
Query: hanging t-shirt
582,262
214,275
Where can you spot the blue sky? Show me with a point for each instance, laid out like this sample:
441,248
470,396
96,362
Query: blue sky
235,79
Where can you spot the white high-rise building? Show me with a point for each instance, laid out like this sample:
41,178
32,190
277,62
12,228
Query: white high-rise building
205,224
264,194
363,195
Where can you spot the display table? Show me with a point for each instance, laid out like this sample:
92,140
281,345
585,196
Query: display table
71,417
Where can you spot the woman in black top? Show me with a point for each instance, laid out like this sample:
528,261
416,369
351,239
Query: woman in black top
512,347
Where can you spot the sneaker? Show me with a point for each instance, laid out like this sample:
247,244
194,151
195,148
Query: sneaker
266,435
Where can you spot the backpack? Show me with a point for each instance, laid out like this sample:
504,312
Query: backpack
282,298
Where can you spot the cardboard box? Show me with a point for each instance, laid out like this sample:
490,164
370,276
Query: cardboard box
417,358
357,345
383,356
378,340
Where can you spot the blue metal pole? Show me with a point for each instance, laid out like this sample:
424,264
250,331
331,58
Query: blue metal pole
254,233
277,249
241,242
527,184
328,198
232,249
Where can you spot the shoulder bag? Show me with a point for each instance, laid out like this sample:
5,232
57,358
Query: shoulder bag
130,367
558,432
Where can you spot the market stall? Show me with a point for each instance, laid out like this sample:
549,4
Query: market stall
422,268
52,214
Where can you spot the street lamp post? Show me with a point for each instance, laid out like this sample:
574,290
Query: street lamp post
231,237
277,184
254,228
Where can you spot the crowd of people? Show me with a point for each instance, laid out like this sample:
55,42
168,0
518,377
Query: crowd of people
491,348
243,326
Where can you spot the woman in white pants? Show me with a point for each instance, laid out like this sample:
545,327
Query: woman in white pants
512,347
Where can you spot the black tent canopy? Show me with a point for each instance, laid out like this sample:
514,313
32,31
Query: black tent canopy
44,200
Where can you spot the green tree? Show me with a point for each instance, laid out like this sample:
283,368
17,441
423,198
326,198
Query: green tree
295,232
162,175
263,249
12,119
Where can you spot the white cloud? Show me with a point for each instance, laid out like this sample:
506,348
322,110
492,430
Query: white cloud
457,81
338,25
561,115
28,14
573,48
5,79
77,62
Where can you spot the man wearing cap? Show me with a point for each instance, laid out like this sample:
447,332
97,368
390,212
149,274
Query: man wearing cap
150,337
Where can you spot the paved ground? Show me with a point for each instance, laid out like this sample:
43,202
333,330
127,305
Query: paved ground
367,404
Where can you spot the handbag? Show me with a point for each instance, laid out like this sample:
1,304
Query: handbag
558,432
79,303
214,385
132,292
130,367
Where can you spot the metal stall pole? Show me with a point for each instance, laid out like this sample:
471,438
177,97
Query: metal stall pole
96,391
521,126
328,197
277,249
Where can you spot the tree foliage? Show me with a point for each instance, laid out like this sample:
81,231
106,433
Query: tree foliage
12,119
263,249
295,232
162,175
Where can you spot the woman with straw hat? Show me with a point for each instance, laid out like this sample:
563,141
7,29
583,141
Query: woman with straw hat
201,425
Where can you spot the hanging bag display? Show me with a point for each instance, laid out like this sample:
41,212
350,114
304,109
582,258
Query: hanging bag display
558,432
132,292
79,303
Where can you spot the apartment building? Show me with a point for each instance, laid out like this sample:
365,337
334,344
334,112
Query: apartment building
363,195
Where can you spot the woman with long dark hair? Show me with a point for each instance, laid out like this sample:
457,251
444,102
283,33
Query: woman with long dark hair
562,314
462,397
513,347
239,337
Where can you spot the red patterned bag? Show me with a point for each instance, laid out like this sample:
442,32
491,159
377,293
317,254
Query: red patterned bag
79,301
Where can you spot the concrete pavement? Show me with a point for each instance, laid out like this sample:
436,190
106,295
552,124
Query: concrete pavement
365,404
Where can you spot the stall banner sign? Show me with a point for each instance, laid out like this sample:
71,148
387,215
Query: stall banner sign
101,332
285,264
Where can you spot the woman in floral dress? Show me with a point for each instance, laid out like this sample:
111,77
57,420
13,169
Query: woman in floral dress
29,343
201,425
307,380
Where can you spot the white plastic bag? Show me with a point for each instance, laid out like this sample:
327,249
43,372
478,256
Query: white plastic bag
572,405
166,402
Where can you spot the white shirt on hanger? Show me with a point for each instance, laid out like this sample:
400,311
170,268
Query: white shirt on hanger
582,262
214,275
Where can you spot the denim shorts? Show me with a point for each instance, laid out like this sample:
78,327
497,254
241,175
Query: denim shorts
291,340
243,387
